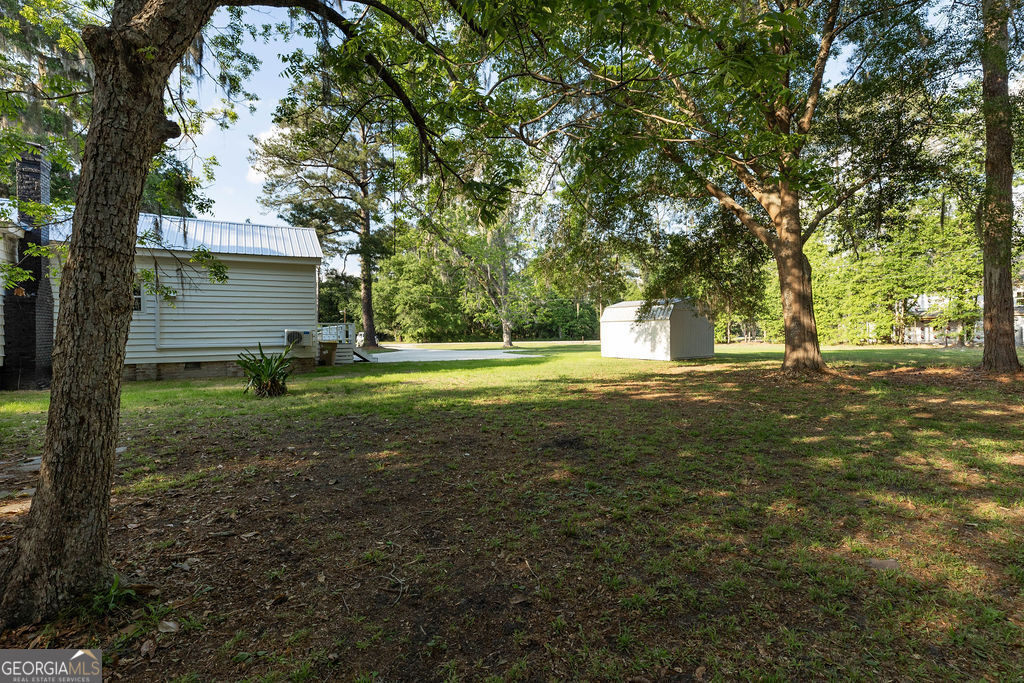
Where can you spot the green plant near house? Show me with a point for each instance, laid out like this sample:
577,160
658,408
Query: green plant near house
267,373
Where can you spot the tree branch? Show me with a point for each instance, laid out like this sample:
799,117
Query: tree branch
331,15
828,210
726,200
828,36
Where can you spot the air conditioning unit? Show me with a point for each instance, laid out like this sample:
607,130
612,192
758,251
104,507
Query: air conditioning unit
298,337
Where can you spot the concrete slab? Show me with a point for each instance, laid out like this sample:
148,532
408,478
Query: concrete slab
431,355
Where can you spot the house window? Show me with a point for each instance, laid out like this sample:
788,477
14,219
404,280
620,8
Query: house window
137,297
1018,298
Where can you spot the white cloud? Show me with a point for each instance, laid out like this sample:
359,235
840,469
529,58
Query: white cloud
252,175
269,133
255,177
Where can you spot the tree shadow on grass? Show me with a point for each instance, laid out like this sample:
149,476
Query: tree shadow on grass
774,501
679,522
410,367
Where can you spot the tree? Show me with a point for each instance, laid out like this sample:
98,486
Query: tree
329,169
338,299
871,286
420,295
728,95
556,317
172,190
715,263
491,252
580,256
1000,354
63,549
45,83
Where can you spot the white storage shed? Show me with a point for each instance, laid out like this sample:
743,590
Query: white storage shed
672,330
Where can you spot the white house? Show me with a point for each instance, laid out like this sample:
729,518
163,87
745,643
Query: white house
269,297
927,309
183,325
672,330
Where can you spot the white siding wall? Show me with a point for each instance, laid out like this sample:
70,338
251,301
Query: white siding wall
649,340
264,296
8,252
683,333
693,335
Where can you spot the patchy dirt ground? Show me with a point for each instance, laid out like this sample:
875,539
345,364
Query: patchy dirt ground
560,519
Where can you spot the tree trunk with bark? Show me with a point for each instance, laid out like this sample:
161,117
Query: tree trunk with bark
503,290
1000,353
366,300
803,354
785,238
63,550
366,285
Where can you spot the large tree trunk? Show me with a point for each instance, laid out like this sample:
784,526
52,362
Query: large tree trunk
803,354
366,288
366,300
999,355
506,334
63,550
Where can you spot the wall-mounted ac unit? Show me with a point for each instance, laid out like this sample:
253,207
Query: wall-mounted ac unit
298,337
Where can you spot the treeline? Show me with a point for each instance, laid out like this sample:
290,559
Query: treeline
866,291
926,272
418,298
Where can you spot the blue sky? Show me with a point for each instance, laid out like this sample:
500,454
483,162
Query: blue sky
236,188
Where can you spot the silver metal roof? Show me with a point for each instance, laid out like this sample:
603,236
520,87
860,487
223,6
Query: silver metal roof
625,311
220,237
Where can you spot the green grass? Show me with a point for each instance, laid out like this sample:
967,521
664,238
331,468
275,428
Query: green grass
171,398
584,518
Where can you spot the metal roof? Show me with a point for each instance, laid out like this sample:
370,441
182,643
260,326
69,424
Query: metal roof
625,311
220,237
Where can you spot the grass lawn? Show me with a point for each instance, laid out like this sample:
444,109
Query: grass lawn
563,517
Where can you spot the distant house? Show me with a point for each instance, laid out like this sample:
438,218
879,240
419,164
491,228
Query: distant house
924,314
191,327
671,330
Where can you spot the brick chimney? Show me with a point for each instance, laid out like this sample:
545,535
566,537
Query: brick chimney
28,309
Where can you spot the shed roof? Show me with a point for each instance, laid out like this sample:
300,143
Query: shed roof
220,237
625,311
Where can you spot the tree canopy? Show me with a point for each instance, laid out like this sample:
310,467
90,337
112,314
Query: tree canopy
503,164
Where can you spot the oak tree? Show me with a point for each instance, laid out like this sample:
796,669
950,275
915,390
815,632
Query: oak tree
63,549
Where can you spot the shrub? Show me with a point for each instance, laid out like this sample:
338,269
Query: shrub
266,373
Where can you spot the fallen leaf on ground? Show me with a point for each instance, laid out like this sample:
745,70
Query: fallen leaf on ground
168,627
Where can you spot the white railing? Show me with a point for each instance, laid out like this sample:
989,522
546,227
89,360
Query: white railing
343,333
